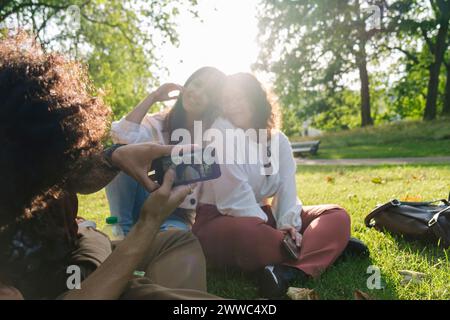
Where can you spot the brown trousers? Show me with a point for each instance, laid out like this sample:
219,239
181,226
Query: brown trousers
251,244
174,268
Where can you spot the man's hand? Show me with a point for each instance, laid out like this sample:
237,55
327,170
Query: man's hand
136,160
165,200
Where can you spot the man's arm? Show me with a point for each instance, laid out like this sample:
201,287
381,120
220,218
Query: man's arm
134,159
94,174
109,281
111,278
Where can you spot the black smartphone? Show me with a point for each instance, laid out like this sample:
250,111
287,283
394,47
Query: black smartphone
290,247
196,170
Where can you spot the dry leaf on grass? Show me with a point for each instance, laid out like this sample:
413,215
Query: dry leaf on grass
360,295
330,179
412,198
378,180
302,294
412,276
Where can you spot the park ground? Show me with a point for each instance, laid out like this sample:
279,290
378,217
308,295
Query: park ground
359,189
402,139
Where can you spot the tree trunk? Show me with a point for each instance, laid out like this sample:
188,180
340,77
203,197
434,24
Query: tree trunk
446,109
366,117
435,69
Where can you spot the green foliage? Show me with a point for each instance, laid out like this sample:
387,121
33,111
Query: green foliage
118,39
421,31
315,49
312,46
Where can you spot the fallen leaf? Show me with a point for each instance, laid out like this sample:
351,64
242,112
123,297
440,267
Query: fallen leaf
412,276
330,179
360,295
377,180
302,294
409,198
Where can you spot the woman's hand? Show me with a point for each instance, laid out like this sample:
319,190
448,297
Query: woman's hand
295,235
162,93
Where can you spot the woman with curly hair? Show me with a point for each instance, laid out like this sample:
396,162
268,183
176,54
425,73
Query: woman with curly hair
245,215
52,123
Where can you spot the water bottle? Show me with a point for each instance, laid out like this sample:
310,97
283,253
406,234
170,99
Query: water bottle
113,230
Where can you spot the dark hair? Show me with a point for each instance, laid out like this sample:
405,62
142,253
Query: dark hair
265,112
50,119
176,117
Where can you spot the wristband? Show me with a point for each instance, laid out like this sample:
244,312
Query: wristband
108,154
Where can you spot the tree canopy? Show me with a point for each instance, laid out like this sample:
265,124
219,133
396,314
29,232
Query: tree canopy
353,62
119,39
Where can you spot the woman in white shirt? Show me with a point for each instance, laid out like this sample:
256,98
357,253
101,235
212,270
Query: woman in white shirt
235,223
198,101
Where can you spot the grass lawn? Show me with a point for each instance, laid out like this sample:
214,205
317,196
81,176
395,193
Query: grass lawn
358,189
404,139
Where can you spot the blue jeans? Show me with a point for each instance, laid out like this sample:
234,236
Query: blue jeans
126,198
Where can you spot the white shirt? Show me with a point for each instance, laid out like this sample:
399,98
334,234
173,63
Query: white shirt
150,130
242,189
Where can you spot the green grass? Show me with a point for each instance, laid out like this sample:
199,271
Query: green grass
352,187
404,139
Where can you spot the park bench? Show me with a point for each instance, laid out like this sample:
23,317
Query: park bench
300,148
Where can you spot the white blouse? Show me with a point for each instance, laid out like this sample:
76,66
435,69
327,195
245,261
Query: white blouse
242,188
150,130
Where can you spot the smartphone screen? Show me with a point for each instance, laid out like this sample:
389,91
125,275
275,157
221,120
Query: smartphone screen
196,170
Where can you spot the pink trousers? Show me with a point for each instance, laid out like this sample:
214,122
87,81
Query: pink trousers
250,243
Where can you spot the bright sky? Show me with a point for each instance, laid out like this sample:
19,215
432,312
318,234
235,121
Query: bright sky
226,39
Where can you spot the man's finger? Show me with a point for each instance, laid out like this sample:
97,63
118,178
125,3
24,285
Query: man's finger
180,150
159,150
169,179
148,183
179,194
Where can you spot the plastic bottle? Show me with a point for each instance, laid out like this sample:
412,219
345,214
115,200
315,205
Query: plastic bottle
113,230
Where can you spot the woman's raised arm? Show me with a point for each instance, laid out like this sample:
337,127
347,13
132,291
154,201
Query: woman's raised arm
160,95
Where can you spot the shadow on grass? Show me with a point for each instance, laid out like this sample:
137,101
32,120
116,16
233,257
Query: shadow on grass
339,282
427,250
346,276
232,284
